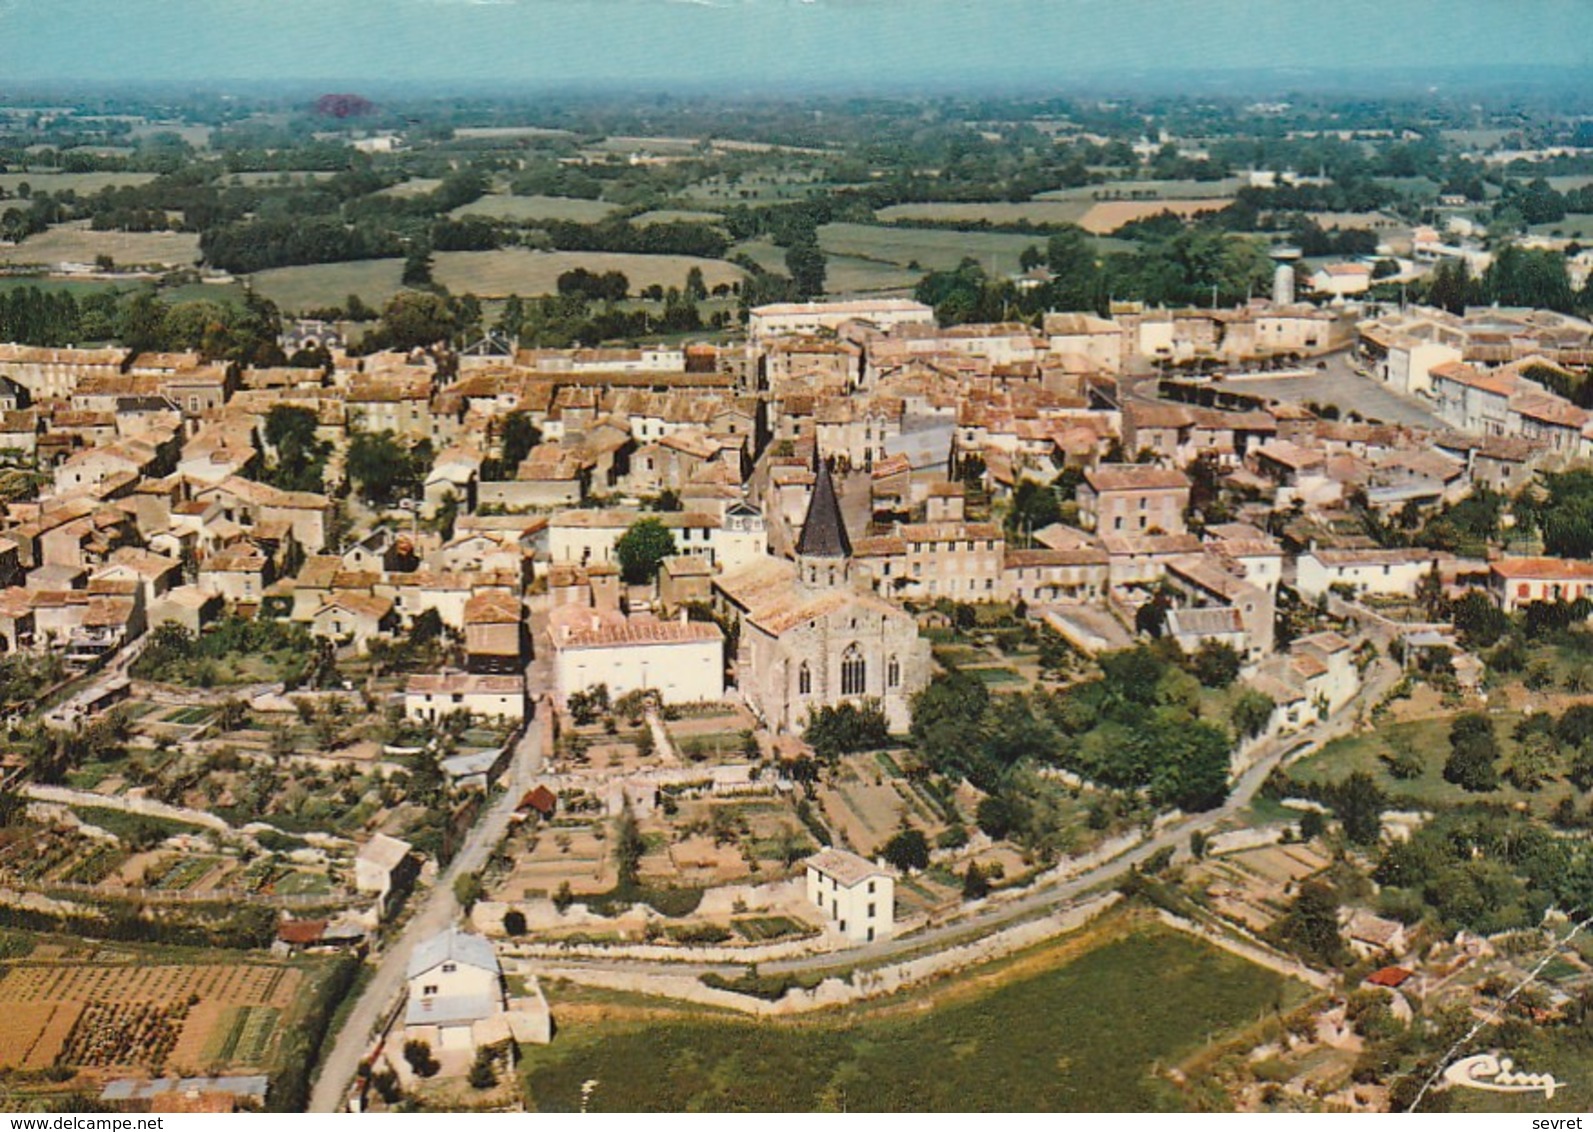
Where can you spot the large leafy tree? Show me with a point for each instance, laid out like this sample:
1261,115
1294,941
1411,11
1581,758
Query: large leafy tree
642,548
384,468
416,318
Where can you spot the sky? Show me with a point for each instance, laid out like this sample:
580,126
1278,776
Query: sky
807,43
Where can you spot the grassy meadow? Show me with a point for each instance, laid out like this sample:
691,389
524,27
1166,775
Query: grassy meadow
77,243
500,206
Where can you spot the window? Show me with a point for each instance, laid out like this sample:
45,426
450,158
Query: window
871,888
449,968
871,911
854,672
804,680
893,679
429,989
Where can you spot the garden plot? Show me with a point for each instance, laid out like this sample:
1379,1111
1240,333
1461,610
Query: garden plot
1254,886
156,1017
559,855
866,804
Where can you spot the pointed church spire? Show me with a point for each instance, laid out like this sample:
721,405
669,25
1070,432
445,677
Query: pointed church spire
824,530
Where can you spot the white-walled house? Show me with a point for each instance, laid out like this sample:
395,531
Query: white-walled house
429,697
683,661
858,895
1374,571
455,983
384,868
1518,582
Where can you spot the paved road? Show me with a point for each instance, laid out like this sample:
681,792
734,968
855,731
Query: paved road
1049,897
439,911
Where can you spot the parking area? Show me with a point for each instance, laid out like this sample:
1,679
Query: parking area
1339,384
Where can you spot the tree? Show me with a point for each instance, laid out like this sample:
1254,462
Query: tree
628,847
1034,506
1534,761
420,1058
1359,805
1473,755
1252,710
696,289
1311,924
587,707
642,548
468,889
806,263
975,885
994,816
562,898
907,851
382,467
1216,664
846,728
1479,620
417,268
520,435
514,923
416,318
299,457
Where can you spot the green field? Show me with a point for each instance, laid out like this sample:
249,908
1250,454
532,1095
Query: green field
80,183
676,216
1576,226
329,284
1430,739
485,274
1081,1037
502,207
76,243
995,212
414,187
933,249
1166,190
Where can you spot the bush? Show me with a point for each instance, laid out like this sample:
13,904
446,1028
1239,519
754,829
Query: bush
419,1056
483,1071
514,923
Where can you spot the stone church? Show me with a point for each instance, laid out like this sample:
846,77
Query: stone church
811,637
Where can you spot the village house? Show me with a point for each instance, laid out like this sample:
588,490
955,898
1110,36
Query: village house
1518,582
385,868
353,619
682,660
1371,571
455,983
1133,499
54,374
856,895
429,697
494,632
1045,576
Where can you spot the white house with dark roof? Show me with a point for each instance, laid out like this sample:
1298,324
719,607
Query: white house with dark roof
858,895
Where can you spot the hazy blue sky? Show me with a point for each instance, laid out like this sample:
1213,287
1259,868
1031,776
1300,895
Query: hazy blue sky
813,42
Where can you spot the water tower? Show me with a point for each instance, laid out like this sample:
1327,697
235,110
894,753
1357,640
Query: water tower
1285,256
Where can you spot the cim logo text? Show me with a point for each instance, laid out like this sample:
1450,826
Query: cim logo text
1499,1075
